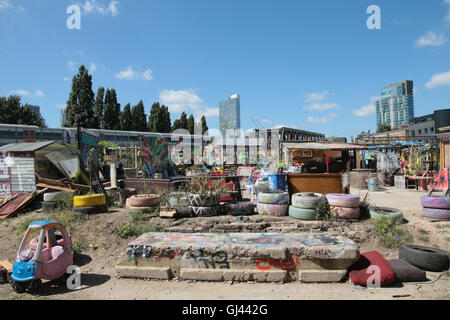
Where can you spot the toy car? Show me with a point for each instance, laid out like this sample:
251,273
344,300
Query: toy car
46,256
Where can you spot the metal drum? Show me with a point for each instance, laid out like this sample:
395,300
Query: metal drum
373,184
277,182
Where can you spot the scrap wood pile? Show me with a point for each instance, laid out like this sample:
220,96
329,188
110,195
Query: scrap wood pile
14,204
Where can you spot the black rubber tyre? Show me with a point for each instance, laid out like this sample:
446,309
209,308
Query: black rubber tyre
35,286
425,258
19,287
91,210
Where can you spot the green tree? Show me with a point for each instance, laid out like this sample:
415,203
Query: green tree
111,113
125,121
13,112
139,118
180,123
190,124
98,108
154,120
79,109
167,123
383,128
203,124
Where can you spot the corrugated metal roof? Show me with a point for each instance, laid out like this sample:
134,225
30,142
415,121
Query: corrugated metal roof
323,146
25,147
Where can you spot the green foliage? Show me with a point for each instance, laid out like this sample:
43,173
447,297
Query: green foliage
130,229
80,106
13,112
98,109
390,233
323,210
111,113
383,128
190,124
204,185
126,123
180,123
79,245
139,118
204,125
159,119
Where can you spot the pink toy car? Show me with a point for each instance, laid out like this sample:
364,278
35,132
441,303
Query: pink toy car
46,256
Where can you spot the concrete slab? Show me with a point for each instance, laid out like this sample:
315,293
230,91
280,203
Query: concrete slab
260,257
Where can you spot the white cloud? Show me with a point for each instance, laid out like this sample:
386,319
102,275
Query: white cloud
20,92
326,119
317,96
439,79
6,5
93,67
186,100
368,109
38,93
71,65
431,39
67,79
130,74
92,7
321,106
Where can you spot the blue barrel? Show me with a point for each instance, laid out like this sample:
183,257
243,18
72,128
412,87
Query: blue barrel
277,182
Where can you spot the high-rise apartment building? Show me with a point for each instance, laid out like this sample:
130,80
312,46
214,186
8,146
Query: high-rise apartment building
230,114
396,106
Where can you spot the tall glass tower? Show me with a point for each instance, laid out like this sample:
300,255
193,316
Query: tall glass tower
396,106
230,114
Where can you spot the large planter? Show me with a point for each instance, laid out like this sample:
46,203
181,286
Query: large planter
143,200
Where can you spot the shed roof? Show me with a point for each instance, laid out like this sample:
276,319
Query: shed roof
25,146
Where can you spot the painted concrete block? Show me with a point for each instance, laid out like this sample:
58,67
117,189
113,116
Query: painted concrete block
325,276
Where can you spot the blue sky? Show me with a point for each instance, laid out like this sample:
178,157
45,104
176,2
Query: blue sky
313,65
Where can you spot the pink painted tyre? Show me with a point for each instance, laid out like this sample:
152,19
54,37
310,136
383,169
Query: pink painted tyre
343,200
436,202
275,197
277,210
142,200
436,214
345,213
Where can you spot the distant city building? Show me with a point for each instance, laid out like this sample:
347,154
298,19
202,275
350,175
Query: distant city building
230,114
396,106
62,116
431,124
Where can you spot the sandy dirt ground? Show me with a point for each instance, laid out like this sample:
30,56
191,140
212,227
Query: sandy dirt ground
100,282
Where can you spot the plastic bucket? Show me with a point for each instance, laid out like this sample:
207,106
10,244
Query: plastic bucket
277,182
373,184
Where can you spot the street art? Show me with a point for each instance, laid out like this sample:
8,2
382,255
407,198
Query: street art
155,152
441,182
286,265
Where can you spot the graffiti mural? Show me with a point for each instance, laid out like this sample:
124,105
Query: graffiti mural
155,152
441,182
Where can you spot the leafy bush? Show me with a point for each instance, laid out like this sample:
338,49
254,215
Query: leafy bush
130,229
323,210
390,233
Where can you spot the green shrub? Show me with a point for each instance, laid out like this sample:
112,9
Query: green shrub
390,233
129,230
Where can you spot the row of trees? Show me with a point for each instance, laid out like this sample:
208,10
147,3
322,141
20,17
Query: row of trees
13,112
102,111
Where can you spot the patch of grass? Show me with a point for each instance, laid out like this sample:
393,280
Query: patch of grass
390,233
129,230
79,245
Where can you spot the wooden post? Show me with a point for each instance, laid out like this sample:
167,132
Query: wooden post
327,159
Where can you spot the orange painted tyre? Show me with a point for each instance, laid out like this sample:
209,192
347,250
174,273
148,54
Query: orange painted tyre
142,200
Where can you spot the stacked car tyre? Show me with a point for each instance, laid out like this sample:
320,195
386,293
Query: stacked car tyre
275,203
204,205
436,208
304,205
180,202
143,201
344,206
90,204
53,200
